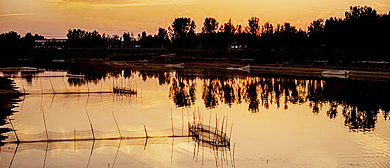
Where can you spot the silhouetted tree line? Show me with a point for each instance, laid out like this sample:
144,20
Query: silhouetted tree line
13,41
7,103
362,31
357,101
360,101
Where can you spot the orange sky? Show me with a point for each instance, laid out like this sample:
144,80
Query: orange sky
52,18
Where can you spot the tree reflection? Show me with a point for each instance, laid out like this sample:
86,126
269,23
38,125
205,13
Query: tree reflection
360,101
251,96
209,95
228,93
182,92
7,103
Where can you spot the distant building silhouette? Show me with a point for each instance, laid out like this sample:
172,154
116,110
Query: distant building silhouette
50,43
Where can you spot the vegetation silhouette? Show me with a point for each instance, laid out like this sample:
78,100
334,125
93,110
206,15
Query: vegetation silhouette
9,97
360,101
182,92
361,34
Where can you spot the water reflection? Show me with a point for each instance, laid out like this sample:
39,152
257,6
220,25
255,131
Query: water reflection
358,102
182,92
7,103
252,101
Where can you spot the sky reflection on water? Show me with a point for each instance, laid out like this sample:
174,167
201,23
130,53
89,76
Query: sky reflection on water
278,122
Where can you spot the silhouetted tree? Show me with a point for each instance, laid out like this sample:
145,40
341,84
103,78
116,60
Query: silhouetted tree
28,41
267,36
115,41
209,37
334,31
163,38
128,39
316,31
78,38
316,27
9,41
182,27
254,26
253,29
210,25
357,13
227,31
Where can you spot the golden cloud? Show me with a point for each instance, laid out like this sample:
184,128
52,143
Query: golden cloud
15,14
114,4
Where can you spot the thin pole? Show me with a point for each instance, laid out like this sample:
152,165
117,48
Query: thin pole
44,122
210,124
117,151
51,103
12,126
226,125
231,129
216,125
24,90
44,160
146,132
223,120
117,126
234,149
173,132
101,85
52,87
90,124
74,139
40,81
87,87
146,143
13,156
90,155
182,123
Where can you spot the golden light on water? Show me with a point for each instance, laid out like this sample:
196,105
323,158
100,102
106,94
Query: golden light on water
53,18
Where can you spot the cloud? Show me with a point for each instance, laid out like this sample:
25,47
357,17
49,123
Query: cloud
114,4
382,5
15,14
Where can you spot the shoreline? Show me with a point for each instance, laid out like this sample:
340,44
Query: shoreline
146,61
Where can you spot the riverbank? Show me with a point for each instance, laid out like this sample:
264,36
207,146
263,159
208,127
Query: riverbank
167,60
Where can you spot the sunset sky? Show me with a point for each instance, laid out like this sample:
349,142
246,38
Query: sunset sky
52,18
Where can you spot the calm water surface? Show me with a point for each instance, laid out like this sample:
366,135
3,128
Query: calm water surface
277,122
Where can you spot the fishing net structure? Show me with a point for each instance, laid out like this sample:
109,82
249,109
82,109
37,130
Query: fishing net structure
215,136
84,135
209,135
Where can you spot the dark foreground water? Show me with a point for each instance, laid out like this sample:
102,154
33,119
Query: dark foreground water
271,121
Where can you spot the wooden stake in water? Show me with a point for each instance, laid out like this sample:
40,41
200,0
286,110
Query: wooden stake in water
182,123
90,124
146,132
117,126
173,132
52,87
231,129
40,81
223,119
87,87
44,122
226,125
12,126
24,90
